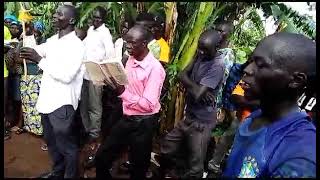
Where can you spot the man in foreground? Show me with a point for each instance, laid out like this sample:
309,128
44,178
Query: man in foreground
140,109
60,58
278,140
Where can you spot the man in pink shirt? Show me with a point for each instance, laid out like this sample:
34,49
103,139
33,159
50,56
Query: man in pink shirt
141,106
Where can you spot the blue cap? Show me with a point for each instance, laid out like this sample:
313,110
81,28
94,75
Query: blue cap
11,17
38,25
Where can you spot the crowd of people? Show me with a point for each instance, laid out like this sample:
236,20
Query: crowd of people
268,102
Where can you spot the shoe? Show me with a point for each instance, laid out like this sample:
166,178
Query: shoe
90,162
155,159
205,174
149,175
125,166
51,175
214,167
7,135
44,147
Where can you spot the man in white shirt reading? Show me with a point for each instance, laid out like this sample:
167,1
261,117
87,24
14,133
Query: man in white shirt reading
99,47
60,58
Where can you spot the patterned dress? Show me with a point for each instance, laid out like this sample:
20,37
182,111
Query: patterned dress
29,88
228,60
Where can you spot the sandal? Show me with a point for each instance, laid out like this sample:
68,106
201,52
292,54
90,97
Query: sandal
20,131
14,128
44,147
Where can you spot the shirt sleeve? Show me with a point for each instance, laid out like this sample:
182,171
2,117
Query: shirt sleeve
295,155
151,95
213,77
42,49
296,168
67,68
108,44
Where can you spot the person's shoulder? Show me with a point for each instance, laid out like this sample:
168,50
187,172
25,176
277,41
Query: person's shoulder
296,129
155,63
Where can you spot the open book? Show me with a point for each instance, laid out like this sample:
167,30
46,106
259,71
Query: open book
100,72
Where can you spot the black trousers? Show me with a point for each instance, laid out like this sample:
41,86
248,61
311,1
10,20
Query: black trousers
135,132
62,140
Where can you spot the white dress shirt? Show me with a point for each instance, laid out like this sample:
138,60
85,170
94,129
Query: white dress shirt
62,74
99,45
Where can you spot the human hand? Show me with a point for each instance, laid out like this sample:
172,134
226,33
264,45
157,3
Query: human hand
30,54
117,87
208,99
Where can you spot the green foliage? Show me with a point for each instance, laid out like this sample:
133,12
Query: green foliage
46,11
247,34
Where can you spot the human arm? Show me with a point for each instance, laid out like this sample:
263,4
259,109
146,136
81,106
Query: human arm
108,44
201,91
151,94
64,69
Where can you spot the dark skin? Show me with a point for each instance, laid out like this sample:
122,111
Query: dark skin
81,33
15,31
97,20
150,25
7,22
137,47
63,20
124,28
197,91
272,84
225,31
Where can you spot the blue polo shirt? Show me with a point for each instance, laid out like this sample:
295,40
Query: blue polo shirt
286,148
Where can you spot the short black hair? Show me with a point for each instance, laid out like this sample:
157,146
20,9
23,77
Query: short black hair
145,16
293,53
102,11
72,11
228,24
212,35
146,33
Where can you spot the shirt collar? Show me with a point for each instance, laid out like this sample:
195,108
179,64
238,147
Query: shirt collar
144,63
99,28
69,35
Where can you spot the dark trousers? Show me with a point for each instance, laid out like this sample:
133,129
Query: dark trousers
135,132
61,137
194,138
224,144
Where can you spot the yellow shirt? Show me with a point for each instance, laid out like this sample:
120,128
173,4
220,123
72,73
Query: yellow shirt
164,50
238,90
7,36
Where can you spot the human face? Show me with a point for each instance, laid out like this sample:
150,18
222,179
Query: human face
61,20
207,48
7,22
135,44
263,78
97,19
15,30
124,28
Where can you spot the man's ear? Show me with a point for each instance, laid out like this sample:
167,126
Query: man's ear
299,80
145,43
72,21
